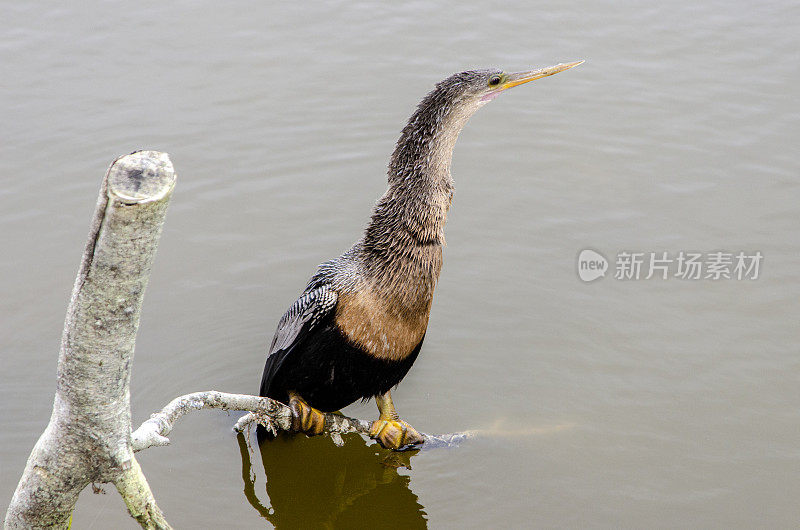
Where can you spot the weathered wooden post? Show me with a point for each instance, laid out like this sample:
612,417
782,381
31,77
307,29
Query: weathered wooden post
88,437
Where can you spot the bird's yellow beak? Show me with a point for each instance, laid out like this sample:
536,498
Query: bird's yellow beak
523,77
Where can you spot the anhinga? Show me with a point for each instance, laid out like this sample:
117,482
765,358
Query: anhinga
359,325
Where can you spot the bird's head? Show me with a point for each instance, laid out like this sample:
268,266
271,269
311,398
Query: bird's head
474,88
428,138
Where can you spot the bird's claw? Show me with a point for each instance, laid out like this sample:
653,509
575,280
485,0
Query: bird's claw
394,434
305,418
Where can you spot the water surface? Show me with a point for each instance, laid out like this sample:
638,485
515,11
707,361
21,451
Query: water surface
640,403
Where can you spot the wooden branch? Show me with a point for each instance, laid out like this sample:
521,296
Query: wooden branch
265,411
87,439
135,491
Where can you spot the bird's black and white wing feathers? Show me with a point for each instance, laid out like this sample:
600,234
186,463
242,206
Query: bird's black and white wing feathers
304,315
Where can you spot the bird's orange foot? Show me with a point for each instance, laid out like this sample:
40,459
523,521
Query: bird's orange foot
305,418
394,434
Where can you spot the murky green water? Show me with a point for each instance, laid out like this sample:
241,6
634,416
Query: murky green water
647,403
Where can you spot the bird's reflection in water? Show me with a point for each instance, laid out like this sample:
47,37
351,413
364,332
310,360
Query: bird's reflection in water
311,483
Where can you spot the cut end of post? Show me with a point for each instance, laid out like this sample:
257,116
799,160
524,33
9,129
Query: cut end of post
142,176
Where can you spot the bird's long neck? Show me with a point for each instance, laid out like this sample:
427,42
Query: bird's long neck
384,306
411,214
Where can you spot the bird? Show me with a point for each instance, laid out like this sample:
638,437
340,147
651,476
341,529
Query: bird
357,328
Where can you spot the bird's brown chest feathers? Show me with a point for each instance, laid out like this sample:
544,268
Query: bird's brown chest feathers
387,316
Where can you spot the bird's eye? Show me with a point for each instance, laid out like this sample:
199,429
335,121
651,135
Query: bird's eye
494,80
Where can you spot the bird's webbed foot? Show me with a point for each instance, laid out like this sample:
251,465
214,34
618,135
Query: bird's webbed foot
394,434
305,418
389,430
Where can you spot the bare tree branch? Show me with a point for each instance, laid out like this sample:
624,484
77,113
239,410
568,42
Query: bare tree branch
88,437
135,491
272,414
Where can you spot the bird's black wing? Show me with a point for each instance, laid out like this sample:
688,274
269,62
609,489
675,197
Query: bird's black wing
294,326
